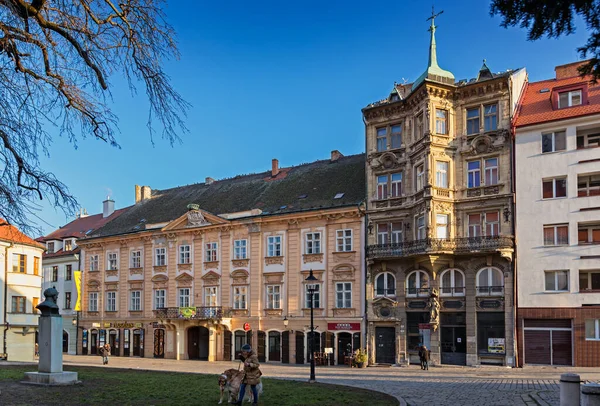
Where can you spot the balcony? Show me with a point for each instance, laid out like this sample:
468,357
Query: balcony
452,291
462,245
418,292
201,313
490,290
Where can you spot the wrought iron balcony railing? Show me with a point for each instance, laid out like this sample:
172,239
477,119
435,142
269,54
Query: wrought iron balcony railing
452,290
490,290
418,292
193,313
433,245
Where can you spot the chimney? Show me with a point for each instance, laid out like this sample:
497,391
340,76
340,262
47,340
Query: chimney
274,167
335,155
138,194
569,70
82,213
209,181
146,193
108,207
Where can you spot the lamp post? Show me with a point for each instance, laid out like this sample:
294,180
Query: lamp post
311,290
286,322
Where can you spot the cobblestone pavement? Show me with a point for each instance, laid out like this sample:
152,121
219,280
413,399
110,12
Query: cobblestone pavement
441,386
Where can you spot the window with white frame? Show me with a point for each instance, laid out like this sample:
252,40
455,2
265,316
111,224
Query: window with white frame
588,233
490,117
210,252
385,285
274,246
552,142
185,254
441,121
452,283
396,184
382,187
588,141
316,295
239,249
273,297
396,136
419,126
441,226
135,302
473,174
313,243
94,263
474,225
112,261
20,263
160,256
588,185
491,171
592,329
382,233
183,297
473,120
569,99
589,280
420,177
111,301
210,296
160,298
389,186
344,240
490,281
50,247
490,176
417,283
68,245
491,222
239,297
441,174
381,139
556,281
421,232
556,234
93,302
389,137
343,295
136,259
554,188
389,233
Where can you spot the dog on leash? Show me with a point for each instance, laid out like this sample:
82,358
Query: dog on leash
230,382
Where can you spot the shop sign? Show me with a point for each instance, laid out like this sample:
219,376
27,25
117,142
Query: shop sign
106,325
247,327
96,325
187,312
343,326
496,345
417,304
121,324
157,325
490,304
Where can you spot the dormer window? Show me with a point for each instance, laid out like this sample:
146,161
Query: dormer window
569,99
68,245
50,247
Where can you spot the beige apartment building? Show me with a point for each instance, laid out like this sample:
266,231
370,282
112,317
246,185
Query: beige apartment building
440,218
195,272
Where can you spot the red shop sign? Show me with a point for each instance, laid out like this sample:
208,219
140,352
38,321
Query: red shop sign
247,327
343,326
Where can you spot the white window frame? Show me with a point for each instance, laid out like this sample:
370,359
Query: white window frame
441,121
589,190
382,187
273,296
112,261
211,296
316,297
556,273
381,140
68,245
490,291
468,119
274,246
94,263
420,229
454,289
343,295
585,138
185,254
474,229
441,174
240,297
136,259
589,228
596,330
588,276
184,297
495,225
312,243
211,252
419,177
570,97
160,256
474,174
111,301
135,300
442,224
344,240
553,136
419,282
395,184
240,249
93,302
554,228
382,233
160,298
486,116
492,172
386,287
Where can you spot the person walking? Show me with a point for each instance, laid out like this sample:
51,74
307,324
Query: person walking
424,357
104,352
252,374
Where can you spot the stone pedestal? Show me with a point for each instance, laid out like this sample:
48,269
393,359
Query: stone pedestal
569,389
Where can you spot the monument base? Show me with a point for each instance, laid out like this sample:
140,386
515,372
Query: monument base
51,379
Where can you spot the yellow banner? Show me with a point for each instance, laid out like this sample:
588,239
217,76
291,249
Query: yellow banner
77,275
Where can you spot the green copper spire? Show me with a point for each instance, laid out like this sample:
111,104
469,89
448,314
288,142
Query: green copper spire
433,71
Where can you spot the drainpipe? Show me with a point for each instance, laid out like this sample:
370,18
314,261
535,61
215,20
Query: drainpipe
365,338
6,325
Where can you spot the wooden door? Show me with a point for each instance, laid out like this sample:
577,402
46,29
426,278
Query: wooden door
137,344
344,347
261,346
159,343
227,335
385,344
299,347
285,347
537,347
193,343
274,346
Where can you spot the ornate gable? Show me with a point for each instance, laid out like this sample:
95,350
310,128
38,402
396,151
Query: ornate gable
194,217
211,278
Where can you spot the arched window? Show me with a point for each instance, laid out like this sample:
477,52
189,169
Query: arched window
385,284
490,281
452,283
417,284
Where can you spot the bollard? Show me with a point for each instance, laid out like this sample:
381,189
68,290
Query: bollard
569,389
590,395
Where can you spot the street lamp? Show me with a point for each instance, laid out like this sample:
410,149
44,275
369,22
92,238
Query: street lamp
311,290
286,322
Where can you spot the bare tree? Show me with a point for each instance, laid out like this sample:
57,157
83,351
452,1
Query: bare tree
56,61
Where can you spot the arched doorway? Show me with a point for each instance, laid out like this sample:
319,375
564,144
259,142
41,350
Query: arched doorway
274,346
159,343
309,343
113,340
227,336
94,342
344,347
198,343
65,343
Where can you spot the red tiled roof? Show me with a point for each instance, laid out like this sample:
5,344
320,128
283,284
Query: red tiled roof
61,253
79,227
12,234
536,107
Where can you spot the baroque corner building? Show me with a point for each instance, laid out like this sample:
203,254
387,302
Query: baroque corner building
195,272
440,218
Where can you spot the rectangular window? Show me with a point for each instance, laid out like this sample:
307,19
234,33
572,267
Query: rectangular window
589,280
492,223
68,245
183,298
239,249
396,136
552,142
94,263
396,185
68,272
382,233
211,249
50,247
239,297
592,329
273,296
34,304
210,296
274,246
382,187
67,300
588,185
556,234
473,174
553,188
93,302
54,277
441,226
569,99
441,121
441,174
313,243
381,139
111,301
316,296
474,225
473,121
135,303
343,295
112,261
588,141
19,263
160,256
420,176
396,237
160,298
185,254
489,325
491,171
36,265
344,240
136,259
419,126
588,233
490,117
556,281
421,232
18,304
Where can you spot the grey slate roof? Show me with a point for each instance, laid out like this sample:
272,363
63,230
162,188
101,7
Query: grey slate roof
320,181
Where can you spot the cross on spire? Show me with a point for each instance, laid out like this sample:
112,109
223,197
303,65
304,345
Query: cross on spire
432,18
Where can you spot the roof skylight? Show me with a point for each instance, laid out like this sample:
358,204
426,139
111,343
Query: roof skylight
339,196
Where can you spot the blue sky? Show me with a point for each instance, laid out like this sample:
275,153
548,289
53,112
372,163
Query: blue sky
285,80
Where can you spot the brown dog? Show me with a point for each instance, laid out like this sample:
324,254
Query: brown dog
230,382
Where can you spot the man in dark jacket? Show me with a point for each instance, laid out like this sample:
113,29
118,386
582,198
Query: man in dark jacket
252,374
424,357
